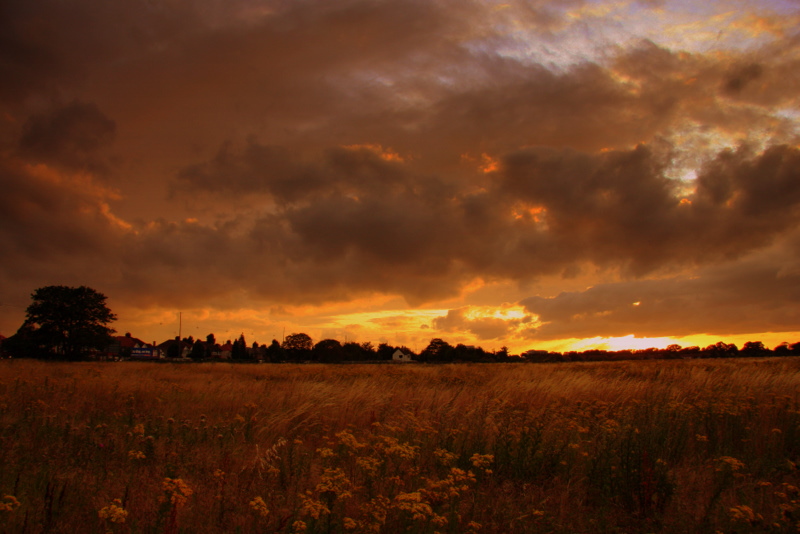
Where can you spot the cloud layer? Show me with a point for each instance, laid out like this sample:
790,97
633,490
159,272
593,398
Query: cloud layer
240,154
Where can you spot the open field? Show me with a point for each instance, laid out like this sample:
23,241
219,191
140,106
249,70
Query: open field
657,446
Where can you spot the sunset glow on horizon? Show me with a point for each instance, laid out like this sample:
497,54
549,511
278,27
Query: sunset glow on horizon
543,174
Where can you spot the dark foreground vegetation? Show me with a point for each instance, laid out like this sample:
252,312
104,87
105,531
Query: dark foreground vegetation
690,446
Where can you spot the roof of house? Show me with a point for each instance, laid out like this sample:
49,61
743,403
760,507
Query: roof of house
127,341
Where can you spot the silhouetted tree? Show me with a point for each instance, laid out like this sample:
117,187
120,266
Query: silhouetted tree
239,351
23,344
385,351
66,322
754,348
174,349
198,350
275,353
438,350
328,350
298,346
782,350
211,343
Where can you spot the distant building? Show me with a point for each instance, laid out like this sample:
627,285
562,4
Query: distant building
128,346
226,350
400,356
175,348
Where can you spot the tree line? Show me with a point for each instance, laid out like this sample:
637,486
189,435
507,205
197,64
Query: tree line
72,323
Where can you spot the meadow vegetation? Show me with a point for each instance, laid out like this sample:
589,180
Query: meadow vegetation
647,446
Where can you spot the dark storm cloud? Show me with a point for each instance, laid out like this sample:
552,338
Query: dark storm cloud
67,136
284,175
758,294
43,215
334,150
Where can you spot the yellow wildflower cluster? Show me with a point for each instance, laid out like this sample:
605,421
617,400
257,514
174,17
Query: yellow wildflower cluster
9,503
136,455
138,430
369,465
445,457
349,441
176,491
414,504
298,526
325,452
729,464
375,512
482,461
335,483
744,513
114,512
311,507
457,482
392,446
259,507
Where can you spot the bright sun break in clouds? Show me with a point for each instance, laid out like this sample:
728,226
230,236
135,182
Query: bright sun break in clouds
514,174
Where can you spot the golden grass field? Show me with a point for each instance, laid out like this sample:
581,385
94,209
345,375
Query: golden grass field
655,446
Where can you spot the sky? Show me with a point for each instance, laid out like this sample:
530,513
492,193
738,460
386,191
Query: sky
552,175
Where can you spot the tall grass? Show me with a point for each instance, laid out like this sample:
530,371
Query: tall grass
656,446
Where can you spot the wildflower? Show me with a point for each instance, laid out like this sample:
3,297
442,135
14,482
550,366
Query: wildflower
334,482
444,456
349,440
219,474
414,504
136,455
259,507
138,430
401,450
114,512
298,526
369,465
312,507
9,503
482,461
744,513
176,491
349,524
728,463
439,521
701,438
375,513
325,452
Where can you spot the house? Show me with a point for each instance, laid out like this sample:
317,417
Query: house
175,348
400,356
226,350
128,346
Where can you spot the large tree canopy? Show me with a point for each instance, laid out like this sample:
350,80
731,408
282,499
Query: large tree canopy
66,322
